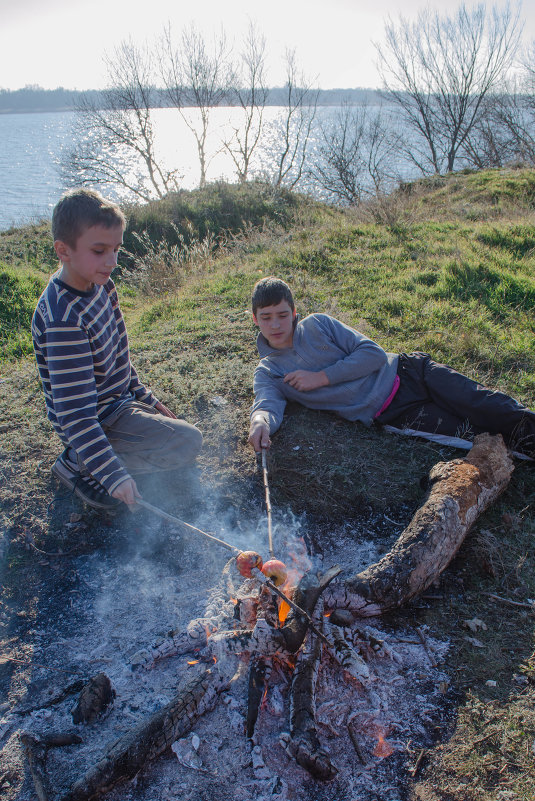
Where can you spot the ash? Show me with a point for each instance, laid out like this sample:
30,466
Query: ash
119,601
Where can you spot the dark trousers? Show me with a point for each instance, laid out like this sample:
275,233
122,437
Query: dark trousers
437,399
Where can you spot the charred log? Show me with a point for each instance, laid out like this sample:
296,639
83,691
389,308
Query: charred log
36,752
460,491
94,699
151,737
259,673
306,596
304,744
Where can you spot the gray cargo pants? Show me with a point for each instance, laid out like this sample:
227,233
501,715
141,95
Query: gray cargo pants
147,441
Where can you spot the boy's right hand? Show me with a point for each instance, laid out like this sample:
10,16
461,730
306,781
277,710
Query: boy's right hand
127,492
259,435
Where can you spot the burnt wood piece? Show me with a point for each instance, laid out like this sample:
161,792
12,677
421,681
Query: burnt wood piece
94,699
36,752
306,595
151,737
459,492
259,673
304,744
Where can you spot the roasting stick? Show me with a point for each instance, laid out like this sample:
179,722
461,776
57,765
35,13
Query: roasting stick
258,575
173,519
268,503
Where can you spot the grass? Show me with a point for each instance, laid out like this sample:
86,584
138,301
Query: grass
450,270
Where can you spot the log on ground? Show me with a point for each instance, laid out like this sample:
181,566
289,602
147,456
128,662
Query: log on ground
459,492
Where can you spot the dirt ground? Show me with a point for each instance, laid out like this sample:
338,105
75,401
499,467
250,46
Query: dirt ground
82,593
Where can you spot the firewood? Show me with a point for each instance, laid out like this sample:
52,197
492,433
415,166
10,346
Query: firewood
306,595
460,491
94,699
303,743
36,752
259,673
151,737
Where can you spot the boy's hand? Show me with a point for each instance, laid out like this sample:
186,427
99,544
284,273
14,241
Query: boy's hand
305,380
259,434
127,492
164,410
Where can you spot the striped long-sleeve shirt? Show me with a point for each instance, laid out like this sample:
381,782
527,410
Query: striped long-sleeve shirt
81,347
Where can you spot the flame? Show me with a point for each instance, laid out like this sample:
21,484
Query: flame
263,702
284,608
194,662
234,601
215,660
383,748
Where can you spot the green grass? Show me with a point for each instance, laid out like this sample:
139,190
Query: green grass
19,290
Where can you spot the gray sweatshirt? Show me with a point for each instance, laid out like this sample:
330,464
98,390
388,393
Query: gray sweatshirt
360,372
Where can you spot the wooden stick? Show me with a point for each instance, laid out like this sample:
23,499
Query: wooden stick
356,745
418,762
166,516
268,502
510,602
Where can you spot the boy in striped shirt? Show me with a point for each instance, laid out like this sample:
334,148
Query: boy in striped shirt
111,425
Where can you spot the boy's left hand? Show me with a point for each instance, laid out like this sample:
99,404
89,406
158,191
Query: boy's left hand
305,380
164,410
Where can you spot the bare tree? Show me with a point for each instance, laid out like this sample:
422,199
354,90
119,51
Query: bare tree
250,94
293,130
114,133
197,79
440,69
355,155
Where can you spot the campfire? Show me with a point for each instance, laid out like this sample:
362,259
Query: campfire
274,697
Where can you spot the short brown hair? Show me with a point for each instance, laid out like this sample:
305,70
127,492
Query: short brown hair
271,291
80,209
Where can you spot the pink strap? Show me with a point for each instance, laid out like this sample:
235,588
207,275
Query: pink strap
390,398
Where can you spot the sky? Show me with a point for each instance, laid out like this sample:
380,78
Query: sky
54,43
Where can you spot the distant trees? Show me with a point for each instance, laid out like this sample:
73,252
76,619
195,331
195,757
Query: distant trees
292,131
197,78
250,92
446,103
355,155
114,132
440,70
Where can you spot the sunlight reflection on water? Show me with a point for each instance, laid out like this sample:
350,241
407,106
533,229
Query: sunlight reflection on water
33,146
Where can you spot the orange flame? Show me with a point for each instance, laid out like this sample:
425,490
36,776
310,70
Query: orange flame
383,748
194,662
284,608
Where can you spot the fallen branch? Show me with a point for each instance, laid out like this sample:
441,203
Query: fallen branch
303,743
151,737
460,491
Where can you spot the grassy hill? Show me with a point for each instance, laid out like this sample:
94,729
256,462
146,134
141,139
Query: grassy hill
447,266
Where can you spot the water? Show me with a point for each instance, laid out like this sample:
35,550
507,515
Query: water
34,145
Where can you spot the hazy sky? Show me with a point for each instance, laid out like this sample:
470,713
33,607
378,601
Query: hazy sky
61,42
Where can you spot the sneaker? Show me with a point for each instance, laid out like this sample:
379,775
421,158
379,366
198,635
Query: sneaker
85,487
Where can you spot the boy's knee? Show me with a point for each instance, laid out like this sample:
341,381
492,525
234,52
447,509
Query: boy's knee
195,440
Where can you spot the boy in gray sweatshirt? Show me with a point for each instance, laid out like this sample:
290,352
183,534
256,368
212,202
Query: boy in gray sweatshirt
324,364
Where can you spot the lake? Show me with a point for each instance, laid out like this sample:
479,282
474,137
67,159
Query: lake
33,146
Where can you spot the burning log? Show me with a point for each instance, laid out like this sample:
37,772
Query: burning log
303,743
460,491
151,737
306,596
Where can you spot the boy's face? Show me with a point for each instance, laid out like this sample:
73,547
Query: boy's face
276,324
93,258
